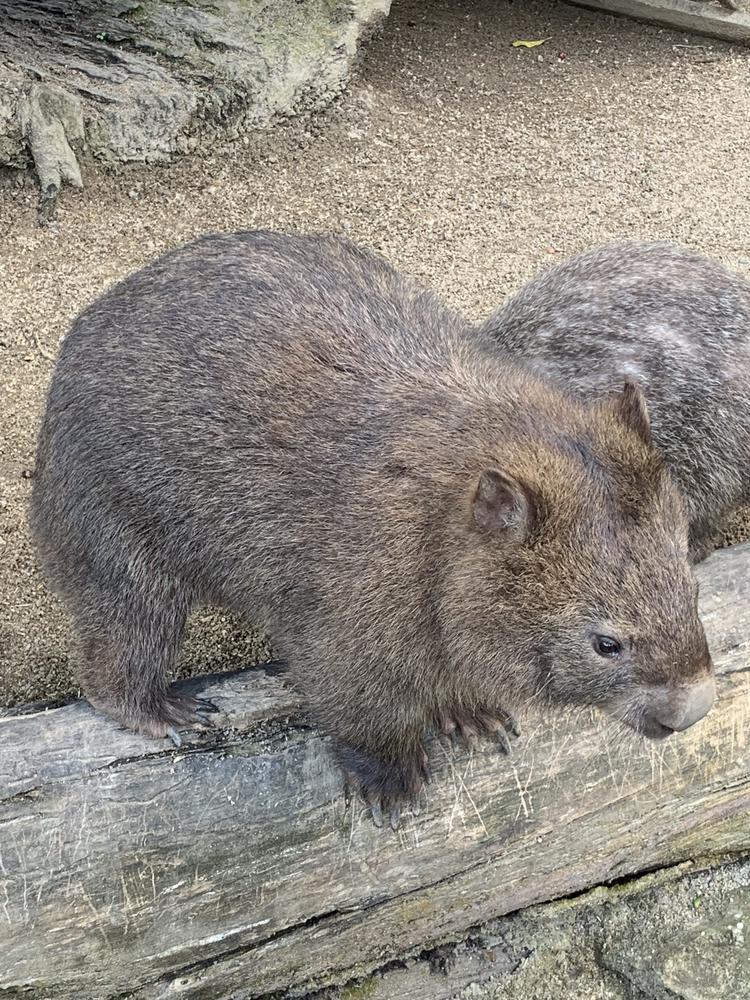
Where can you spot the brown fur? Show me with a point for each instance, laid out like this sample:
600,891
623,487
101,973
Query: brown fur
285,426
675,322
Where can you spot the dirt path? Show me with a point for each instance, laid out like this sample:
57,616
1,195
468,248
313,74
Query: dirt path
468,163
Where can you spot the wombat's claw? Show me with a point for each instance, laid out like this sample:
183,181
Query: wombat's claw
174,736
462,725
377,814
204,705
347,795
384,786
464,738
180,711
380,810
509,723
203,718
503,743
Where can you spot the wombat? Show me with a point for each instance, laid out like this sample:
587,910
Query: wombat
286,427
671,320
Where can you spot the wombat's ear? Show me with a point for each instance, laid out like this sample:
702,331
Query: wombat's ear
501,505
631,407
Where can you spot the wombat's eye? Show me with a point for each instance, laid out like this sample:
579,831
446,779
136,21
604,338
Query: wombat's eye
606,646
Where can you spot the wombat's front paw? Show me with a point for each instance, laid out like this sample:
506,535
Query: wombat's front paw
176,711
383,784
468,725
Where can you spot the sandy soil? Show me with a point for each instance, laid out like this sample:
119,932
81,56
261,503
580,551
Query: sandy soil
467,162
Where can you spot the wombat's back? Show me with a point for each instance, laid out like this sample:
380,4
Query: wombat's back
677,323
247,358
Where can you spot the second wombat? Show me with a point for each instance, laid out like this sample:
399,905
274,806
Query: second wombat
676,323
285,426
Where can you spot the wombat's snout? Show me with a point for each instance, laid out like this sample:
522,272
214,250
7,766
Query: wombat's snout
671,710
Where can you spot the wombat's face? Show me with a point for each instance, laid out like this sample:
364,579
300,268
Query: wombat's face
590,573
626,637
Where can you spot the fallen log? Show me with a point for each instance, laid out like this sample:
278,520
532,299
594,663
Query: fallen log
232,868
701,16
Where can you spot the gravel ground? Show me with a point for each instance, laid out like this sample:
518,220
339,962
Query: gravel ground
467,162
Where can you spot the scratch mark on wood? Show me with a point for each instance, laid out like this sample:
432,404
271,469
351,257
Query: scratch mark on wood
523,796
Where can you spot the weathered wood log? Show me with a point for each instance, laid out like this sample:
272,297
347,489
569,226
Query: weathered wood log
701,16
232,868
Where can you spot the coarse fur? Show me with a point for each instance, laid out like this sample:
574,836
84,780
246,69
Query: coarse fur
675,322
286,427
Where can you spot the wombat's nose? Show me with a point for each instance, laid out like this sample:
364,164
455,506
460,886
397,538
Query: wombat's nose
684,707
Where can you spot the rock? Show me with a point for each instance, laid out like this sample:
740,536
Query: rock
679,934
687,941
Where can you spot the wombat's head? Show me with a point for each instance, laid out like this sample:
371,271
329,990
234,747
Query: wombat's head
575,574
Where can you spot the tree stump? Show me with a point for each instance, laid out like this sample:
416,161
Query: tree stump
125,80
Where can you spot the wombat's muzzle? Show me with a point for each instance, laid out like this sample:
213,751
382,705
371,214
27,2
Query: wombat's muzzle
670,710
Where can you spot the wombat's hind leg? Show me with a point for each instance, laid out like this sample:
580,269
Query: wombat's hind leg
129,642
384,785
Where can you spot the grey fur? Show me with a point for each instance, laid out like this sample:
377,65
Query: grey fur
285,426
677,323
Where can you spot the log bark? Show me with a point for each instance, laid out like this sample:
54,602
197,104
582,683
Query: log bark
232,867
